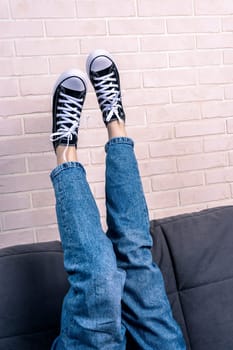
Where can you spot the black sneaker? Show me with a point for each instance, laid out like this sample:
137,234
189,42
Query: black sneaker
105,79
68,98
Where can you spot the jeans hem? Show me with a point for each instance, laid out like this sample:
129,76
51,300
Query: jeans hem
117,140
64,166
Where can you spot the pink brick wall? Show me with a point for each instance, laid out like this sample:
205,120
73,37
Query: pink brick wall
176,63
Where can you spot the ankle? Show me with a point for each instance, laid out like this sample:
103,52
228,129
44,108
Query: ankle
116,129
66,154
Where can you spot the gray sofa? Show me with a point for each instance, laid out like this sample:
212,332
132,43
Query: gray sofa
194,252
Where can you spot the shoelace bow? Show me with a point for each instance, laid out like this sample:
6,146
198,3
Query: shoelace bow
108,95
69,115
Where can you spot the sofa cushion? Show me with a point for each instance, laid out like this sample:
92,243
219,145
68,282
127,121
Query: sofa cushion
194,252
200,247
32,286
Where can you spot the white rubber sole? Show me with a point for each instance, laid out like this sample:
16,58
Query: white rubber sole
69,74
95,54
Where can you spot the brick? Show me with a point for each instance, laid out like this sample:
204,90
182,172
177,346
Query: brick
8,87
10,127
45,46
95,173
199,93
230,126
7,48
228,92
175,147
12,166
130,80
228,57
166,78
136,26
30,66
220,143
193,25
175,181
146,184
101,207
147,134
227,24
75,27
203,127
45,162
94,118
43,199
164,213
37,124
111,44
43,9
47,234
27,105
84,156
162,200
146,96
214,109
222,175
201,161
231,158
141,61
215,41
98,155
4,12
141,151
62,63
91,101
195,59
99,190
15,29
167,43
36,85
25,145
204,194
220,75
173,112
105,8
6,67
135,116
214,7
87,138
24,182
9,239
158,166
29,218
164,8
219,203
11,202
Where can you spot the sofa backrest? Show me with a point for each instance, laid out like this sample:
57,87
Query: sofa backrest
32,286
195,254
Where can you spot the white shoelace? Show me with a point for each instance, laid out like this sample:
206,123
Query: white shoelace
108,95
68,114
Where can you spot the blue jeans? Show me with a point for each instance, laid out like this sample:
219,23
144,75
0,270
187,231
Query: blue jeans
116,299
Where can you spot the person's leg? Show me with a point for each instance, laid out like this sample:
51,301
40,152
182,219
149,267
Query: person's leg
91,313
146,311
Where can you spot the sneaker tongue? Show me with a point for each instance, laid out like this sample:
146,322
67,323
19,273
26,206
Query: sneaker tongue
104,71
73,93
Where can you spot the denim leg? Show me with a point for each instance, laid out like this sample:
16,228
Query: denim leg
146,312
91,312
